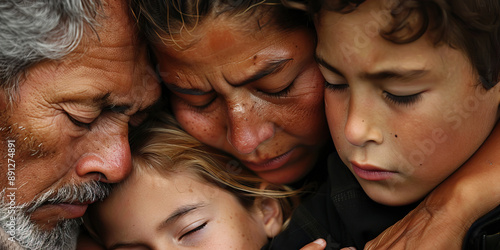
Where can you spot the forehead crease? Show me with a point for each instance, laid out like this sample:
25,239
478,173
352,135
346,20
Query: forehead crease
191,79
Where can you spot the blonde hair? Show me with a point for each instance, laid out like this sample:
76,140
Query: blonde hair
161,145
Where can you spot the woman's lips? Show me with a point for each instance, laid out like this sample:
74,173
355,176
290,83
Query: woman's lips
269,164
371,173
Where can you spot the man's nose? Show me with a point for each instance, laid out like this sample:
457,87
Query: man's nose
108,154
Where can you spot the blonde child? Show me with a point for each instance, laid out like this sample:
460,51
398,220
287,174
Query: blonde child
183,194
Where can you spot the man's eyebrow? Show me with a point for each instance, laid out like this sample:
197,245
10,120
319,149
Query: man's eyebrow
178,213
271,67
104,102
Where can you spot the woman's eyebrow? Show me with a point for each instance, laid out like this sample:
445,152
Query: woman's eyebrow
179,212
178,89
269,68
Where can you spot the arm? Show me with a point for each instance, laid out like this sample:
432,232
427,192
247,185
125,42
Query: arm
443,218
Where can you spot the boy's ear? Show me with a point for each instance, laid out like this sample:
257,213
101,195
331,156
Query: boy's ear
272,214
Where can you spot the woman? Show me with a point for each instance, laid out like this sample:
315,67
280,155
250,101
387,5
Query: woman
250,88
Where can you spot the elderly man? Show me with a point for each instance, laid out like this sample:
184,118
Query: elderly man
73,76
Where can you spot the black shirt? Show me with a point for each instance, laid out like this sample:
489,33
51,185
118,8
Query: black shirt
340,212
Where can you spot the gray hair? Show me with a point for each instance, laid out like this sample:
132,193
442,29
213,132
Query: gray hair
32,31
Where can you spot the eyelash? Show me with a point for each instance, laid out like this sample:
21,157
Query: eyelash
79,123
203,107
403,100
396,99
194,230
336,87
284,92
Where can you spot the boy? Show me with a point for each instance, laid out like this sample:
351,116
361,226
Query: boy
410,95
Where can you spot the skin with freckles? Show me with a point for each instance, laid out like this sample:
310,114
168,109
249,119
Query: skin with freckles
254,93
402,117
70,123
180,211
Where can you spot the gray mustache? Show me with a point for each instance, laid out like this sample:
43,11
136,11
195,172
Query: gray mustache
82,193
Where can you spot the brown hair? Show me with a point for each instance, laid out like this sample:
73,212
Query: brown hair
163,20
472,26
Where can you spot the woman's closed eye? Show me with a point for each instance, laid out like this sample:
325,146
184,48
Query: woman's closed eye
280,93
197,101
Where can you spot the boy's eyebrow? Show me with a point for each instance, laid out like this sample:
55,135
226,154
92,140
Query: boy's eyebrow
323,63
397,74
179,212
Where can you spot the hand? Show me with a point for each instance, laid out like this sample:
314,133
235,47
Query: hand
318,244
422,229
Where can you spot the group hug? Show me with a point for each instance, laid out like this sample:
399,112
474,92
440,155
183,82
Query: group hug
249,124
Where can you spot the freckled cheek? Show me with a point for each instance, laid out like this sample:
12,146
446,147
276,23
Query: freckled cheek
208,128
308,107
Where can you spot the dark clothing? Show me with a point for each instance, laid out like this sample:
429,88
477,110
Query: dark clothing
484,234
340,212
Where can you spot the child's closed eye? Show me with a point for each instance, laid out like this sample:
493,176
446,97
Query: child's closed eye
406,100
197,227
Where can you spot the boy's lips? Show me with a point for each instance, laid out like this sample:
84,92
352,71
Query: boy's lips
370,172
269,164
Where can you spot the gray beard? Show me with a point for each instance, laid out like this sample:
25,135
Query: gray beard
29,236
65,234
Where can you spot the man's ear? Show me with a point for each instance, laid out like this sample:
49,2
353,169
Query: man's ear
272,214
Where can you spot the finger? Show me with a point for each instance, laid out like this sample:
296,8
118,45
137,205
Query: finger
318,244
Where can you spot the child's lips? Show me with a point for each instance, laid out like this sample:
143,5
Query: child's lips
370,172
